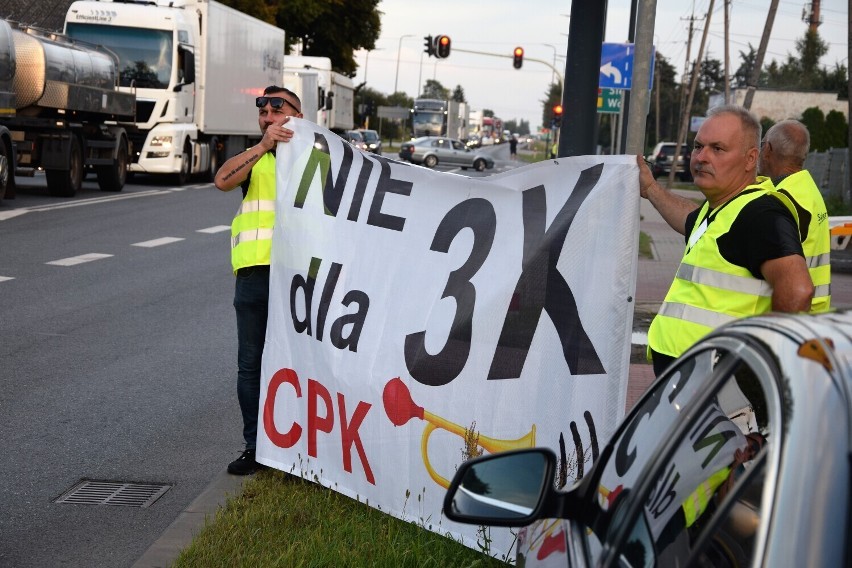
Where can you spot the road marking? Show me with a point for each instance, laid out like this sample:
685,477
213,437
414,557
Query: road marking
5,278
157,242
72,260
12,213
194,186
216,229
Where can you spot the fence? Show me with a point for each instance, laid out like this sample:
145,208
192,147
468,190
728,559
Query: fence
830,171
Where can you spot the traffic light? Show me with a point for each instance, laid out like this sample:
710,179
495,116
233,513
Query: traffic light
557,116
430,45
442,46
518,57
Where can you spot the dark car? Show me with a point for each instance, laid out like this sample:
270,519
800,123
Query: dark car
433,150
371,138
662,159
738,455
355,138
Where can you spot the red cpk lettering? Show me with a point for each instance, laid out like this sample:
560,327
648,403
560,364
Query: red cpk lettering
318,396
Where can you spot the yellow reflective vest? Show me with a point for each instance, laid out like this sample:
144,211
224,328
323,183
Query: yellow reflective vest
816,240
708,291
251,230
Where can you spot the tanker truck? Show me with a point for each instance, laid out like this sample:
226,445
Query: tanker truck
196,67
60,110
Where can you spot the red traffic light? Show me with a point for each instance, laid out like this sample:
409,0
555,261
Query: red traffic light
442,46
518,57
557,110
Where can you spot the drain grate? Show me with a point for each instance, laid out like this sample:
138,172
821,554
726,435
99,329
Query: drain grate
118,493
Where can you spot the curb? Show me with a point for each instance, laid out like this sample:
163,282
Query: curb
178,535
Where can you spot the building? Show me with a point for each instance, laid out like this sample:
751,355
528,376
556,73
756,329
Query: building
780,105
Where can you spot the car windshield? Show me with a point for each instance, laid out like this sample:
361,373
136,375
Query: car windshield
356,136
370,136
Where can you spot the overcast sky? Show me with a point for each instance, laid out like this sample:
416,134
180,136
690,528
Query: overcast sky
541,28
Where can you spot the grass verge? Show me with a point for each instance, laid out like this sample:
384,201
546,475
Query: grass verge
283,520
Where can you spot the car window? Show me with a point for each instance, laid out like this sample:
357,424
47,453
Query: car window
683,485
457,145
436,143
444,144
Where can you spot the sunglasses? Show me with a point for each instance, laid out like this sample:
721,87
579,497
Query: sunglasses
274,102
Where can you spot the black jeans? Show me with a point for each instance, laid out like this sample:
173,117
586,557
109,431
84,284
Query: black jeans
251,300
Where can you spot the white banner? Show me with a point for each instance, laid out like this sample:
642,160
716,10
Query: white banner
409,309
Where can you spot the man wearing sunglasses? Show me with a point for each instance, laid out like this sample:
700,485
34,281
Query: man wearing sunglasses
251,245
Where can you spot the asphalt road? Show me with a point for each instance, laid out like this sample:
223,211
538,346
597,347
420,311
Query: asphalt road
121,368
117,362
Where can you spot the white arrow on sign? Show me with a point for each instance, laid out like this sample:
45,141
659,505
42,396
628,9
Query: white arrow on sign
610,71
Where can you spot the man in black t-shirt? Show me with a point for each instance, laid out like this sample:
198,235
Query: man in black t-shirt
742,256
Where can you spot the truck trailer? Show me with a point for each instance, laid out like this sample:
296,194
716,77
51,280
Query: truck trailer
59,111
435,117
335,92
196,67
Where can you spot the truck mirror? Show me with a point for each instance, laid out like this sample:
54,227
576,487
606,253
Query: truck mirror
320,97
329,101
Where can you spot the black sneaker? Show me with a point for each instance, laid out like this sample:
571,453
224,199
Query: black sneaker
245,464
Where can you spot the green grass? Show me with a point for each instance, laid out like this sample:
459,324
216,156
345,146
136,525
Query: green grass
645,245
282,520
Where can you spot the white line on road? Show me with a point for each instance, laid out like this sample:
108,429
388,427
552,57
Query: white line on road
12,213
157,242
5,278
72,260
95,200
216,229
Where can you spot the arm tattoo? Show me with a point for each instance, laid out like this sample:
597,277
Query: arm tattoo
236,170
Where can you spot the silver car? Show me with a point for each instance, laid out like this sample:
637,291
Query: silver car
738,455
433,150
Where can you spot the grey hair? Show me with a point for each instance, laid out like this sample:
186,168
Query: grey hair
749,121
791,140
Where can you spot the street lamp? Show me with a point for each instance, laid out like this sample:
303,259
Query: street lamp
398,50
367,61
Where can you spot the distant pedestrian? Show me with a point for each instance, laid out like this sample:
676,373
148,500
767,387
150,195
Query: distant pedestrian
782,157
513,147
742,254
251,253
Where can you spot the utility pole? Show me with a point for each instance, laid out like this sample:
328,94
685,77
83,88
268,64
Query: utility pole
696,70
639,101
812,18
727,52
761,51
686,61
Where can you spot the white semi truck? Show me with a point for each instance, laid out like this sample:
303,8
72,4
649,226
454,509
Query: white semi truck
195,66
336,92
59,107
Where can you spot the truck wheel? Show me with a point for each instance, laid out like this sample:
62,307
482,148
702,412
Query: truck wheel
215,160
112,177
479,165
66,183
430,161
182,176
7,176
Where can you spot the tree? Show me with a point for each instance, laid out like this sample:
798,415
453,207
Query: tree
435,90
458,94
814,119
836,130
325,28
487,112
811,48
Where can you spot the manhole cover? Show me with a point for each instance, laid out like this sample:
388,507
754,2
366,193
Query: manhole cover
119,493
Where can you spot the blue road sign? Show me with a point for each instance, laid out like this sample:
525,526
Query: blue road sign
617,66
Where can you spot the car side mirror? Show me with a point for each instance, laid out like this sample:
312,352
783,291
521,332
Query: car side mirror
506,489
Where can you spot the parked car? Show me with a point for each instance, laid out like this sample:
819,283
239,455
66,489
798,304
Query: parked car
738,455
374,143
662,158
355,138
433,150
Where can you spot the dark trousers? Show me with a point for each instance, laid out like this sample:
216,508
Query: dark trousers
251,300
661,362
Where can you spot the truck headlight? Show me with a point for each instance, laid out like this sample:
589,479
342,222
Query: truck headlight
162,141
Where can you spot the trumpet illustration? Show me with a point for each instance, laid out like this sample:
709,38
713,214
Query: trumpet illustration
400,408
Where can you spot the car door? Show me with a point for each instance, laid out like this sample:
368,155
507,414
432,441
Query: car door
683,481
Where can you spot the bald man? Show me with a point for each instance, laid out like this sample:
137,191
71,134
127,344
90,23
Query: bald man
782,158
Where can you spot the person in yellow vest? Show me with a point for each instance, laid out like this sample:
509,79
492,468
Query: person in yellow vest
782,158
743,255
251,245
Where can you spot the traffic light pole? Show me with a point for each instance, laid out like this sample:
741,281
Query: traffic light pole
547,63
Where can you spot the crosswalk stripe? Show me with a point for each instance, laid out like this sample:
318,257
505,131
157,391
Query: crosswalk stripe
157,242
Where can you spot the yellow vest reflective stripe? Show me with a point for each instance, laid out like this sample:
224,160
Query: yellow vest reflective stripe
696,503
707,290
802,189
251,230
